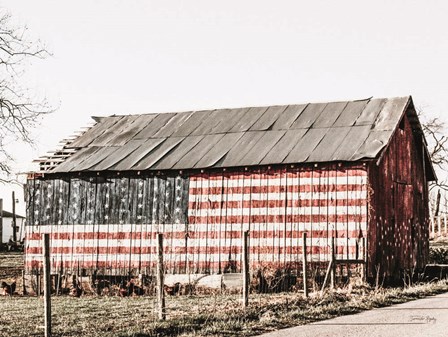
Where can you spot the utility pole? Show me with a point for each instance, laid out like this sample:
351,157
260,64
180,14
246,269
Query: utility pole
14,219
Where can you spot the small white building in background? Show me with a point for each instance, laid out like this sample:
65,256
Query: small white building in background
7,231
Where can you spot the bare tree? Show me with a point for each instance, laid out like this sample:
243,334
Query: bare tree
435,131
19,110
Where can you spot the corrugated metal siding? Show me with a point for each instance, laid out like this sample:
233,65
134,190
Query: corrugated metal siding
112,225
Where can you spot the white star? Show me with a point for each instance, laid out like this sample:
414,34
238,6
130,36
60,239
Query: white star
36,212
140,206
177,210
60,211
140,183
106,217
59,222
139,217
140,195
106,206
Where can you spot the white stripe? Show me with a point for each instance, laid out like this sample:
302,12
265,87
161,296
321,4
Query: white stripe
307,226
317,226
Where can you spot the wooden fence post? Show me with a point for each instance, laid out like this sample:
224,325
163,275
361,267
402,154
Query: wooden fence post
160,278
446,226
24,292
439,225
246,277
47,284
38,285
333,268
304,266
327,276
14,218
364,258
432,227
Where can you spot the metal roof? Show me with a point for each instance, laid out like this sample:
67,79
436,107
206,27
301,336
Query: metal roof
305,133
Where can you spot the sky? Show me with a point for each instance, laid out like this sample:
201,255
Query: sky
121,57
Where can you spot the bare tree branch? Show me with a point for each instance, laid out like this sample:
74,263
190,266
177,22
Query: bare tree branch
20,112
435,132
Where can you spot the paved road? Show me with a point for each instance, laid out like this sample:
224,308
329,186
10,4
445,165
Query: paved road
425,317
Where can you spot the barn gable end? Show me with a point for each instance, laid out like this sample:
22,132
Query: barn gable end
399,227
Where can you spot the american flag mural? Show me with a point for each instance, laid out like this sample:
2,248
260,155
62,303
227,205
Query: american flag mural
110,224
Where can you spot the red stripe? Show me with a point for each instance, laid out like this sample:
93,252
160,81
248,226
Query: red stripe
276,203
323,188
177,265
193,233
226,249
290,173
281,218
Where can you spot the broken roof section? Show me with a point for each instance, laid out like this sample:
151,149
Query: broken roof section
306,133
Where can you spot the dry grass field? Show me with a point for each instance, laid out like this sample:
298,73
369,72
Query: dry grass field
205,315
212,315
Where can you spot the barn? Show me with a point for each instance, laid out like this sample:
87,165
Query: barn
356,171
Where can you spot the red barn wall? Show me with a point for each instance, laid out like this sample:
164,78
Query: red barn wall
398,226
